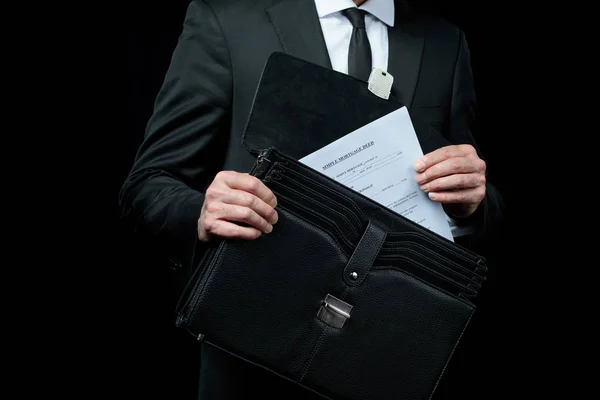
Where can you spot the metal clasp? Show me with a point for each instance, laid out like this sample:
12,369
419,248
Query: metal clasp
334,312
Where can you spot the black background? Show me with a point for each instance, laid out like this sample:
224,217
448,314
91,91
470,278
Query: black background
149,356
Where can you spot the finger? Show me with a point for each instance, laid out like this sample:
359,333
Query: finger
468,149
466,196
456,165
246,199
439,155
248,183
454,182
229,212
229,230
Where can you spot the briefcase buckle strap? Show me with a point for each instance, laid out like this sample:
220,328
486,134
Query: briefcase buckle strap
334,312
364,255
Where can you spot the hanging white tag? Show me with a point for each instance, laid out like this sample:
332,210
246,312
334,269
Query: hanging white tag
380,83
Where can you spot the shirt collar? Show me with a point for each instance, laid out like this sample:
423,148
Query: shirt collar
381,9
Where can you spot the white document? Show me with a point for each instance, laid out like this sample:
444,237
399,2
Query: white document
377,160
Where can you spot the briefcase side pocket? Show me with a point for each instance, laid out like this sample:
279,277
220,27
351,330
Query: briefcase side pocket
304,181
326,225
459,267
421,268
467,259
318,211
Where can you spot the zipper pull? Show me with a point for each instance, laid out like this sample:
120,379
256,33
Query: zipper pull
262,163
261,158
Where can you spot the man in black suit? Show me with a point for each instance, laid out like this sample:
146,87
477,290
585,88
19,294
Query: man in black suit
189,181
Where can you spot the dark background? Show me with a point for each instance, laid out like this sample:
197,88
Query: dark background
150,357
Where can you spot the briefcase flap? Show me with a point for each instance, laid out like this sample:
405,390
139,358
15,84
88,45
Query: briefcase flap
300,107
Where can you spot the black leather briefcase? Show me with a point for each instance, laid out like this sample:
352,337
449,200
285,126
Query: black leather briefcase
344,297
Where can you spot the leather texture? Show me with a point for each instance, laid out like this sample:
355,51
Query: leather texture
402,295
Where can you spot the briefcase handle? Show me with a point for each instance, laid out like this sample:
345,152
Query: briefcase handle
364,255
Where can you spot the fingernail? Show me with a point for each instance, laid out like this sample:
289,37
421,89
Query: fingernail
425,187
433,196
420,178
274,218
419,165
269,228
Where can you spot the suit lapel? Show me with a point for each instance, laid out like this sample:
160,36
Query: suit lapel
297,25
405,53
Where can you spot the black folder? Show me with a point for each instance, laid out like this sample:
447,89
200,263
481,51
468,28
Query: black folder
300,107
345,297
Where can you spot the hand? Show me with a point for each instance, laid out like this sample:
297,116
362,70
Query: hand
454,176
237,197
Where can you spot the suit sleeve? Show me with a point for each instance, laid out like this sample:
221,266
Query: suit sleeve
461,131
185,138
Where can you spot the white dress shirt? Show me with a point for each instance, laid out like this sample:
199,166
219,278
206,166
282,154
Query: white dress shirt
337,31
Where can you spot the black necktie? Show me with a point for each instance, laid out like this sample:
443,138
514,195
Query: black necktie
359,55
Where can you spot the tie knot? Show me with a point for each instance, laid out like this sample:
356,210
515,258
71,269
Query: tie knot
356,17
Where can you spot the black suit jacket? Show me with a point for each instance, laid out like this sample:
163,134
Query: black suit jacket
205,100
